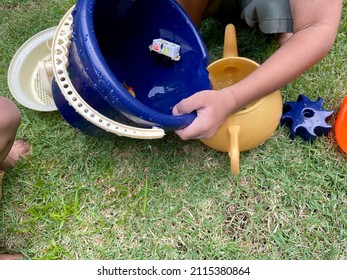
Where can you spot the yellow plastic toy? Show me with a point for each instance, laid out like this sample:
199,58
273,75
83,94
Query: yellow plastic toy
251,126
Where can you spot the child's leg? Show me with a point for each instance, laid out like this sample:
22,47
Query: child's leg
272,17
11,256
195,8
10,151
9,123
224,10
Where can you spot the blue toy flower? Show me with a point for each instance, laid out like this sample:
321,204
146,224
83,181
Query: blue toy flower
306,118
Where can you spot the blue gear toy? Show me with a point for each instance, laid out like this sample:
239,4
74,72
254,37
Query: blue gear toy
306,118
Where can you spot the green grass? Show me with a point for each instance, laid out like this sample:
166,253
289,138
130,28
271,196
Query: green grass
78,197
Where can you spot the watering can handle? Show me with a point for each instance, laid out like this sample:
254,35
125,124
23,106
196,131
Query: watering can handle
230,42
234,150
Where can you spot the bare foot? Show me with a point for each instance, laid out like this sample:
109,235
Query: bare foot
20,149
11,256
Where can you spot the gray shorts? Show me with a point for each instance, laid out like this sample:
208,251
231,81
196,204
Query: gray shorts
271,16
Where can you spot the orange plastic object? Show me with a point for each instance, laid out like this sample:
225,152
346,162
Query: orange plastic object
341,126
251,126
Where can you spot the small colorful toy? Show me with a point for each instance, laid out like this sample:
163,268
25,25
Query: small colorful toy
166,48
341,126
306,118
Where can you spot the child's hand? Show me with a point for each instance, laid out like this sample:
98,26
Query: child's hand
211,110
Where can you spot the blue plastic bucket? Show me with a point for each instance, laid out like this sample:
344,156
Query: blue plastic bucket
115,71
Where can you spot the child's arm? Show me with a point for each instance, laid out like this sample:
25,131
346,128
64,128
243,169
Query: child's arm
315,26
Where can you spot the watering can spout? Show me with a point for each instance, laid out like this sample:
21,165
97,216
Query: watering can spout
230,42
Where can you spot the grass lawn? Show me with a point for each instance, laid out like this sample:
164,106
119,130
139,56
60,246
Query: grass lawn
78,197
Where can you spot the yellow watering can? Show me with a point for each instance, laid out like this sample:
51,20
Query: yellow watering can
251,126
